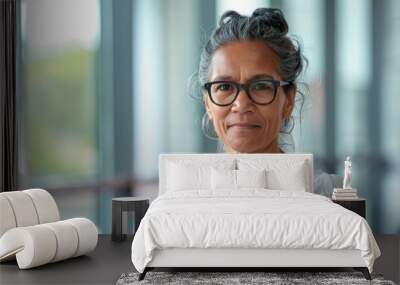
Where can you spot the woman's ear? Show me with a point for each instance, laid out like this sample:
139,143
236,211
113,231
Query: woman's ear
290,100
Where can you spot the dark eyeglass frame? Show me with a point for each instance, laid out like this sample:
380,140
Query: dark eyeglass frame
276,83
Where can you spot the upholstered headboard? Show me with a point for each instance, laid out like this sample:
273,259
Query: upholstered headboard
247,160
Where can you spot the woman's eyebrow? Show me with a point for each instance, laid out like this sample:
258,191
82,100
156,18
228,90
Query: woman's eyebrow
261,76
254,77
223,77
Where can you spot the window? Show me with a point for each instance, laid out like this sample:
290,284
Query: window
59,48
64,142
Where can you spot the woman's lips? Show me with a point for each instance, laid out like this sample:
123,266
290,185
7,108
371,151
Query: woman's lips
243,126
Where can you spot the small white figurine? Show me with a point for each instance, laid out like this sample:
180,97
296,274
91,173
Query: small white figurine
347,174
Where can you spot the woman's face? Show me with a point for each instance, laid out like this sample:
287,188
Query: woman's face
244,126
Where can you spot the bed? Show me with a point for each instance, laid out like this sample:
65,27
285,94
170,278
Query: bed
244,211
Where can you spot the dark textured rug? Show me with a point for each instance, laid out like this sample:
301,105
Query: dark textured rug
228,278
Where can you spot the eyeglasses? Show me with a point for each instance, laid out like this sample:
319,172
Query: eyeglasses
262,92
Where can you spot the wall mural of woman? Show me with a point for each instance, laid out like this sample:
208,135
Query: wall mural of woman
249,73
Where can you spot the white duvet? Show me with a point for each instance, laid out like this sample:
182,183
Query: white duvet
251,218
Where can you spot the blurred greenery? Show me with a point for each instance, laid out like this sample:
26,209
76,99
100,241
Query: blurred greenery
61,123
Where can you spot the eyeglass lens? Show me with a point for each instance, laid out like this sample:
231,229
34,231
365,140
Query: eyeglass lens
224,93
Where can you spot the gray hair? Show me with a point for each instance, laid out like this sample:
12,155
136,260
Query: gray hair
267,25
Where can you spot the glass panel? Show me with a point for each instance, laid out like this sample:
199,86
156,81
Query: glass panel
149,114
59,45
390,218
353,75
309,128
166,54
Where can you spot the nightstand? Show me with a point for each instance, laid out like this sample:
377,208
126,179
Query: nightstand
358,206
121,205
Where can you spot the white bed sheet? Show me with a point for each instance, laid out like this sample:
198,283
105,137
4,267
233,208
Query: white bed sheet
250,218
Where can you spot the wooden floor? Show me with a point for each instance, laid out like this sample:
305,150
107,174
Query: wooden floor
389,262
111,259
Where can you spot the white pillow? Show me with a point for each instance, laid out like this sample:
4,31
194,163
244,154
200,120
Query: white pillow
186,175
251,178
183,177
288,178
278,180
223,179
237,179
282,174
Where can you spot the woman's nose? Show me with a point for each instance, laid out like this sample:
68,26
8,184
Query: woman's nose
242,102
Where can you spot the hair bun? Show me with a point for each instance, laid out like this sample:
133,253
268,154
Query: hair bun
273,18
229,16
